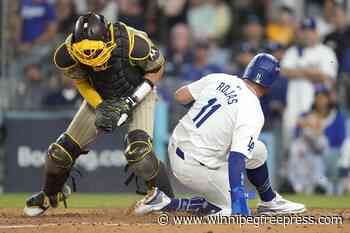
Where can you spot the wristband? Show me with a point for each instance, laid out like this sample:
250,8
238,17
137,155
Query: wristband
140,93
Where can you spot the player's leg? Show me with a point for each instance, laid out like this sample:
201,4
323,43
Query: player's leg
61,157
139,147
195,177
210,198
257,172
212,186
258,175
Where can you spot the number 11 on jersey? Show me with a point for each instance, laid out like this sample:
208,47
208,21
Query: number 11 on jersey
203,114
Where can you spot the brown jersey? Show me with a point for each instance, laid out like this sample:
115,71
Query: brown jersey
133,56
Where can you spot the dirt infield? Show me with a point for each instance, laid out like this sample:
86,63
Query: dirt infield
118,220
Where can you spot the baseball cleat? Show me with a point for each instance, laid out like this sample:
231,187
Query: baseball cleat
155,200
36,204
279,206
40,202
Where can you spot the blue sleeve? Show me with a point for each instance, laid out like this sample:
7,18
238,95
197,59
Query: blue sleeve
337,133
236,167
50,12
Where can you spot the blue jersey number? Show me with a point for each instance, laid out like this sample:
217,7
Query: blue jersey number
251,144
203,114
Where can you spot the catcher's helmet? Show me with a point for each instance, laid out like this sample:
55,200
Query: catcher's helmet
263,69
92,40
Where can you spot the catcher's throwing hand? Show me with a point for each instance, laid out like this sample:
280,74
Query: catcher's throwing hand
112,113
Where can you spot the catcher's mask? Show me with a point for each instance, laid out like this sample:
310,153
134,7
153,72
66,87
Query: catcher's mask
93,41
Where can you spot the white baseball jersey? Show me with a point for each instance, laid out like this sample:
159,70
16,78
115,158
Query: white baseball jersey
226,116
300,94
300,90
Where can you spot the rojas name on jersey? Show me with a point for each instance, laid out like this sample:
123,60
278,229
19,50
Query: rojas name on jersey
229,92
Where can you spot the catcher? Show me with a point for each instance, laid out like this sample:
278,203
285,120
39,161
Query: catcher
115,68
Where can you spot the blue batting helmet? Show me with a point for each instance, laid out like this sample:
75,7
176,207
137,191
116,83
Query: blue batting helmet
263,69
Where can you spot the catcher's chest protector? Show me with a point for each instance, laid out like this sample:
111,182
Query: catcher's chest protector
120,78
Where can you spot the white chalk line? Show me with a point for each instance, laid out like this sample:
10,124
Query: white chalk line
71,224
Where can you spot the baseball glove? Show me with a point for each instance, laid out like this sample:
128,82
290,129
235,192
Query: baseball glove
110,112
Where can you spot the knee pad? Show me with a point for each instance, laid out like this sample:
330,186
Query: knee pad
259,156
61,157
140,156
63,153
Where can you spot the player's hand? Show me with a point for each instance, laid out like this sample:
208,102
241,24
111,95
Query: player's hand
125,105
112,113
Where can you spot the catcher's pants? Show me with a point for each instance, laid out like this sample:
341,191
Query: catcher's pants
83,130
213,184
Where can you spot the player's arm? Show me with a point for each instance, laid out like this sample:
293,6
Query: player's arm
146,55
288,64
236,169
88,92
313,74
184,96
188,94
327,69
248,125
72,69
241,149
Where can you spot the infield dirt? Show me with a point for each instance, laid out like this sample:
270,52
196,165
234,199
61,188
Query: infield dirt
118,220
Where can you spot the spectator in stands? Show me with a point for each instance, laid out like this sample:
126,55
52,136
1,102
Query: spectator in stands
66,16
241,58
172,13
179,51
81,6
325,21
344,168
202,11
339,39
307,63
31,89
253,31
223,20
132,12
38,26
66,96
252,41
320,135
200,66
178,54
274,103
244,10
282,27
107,8
35,35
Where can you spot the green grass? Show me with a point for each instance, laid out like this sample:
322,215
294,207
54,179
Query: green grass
82,200
107,200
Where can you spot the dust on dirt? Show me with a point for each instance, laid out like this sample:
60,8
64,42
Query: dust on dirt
119,220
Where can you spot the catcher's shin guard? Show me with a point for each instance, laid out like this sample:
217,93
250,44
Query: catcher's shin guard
162,181
61,157
144,163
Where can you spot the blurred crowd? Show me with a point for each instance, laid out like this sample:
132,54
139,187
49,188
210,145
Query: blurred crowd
199,37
